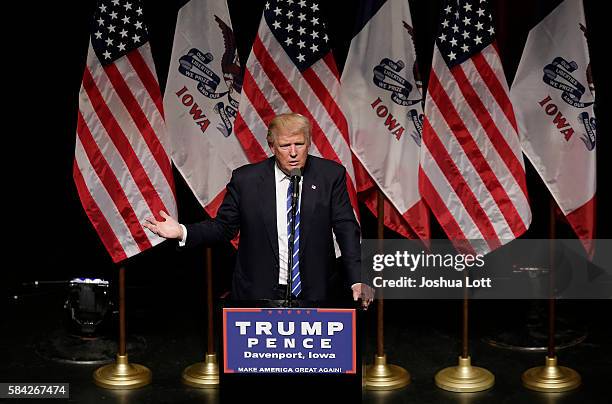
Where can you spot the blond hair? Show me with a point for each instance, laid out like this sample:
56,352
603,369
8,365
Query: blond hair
294,122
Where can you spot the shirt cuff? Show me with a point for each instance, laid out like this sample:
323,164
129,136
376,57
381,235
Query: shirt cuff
183,240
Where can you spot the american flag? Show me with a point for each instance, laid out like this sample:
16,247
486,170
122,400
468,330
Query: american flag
122,167
472,172
291,68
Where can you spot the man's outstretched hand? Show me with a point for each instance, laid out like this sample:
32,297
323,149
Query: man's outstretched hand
363,292
168,228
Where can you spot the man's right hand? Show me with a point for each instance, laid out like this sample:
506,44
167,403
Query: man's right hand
169,228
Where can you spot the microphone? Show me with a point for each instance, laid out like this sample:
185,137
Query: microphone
294,177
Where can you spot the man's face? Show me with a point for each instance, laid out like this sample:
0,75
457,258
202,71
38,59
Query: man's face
290,149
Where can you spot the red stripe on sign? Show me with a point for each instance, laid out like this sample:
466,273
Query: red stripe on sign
495,86
97,218
327,100
122,144
354,351
225,367
453,175
250,145
148,79
469,146
142,123
111,184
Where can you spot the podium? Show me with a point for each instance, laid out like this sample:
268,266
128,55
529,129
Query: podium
277,354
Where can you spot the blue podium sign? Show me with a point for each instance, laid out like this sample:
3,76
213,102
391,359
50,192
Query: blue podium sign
274,340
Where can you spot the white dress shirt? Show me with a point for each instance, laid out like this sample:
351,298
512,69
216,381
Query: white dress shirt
281,183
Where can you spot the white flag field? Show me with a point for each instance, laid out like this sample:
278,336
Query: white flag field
383,104
553,96
201,100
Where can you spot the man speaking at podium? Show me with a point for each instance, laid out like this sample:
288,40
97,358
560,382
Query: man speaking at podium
258,204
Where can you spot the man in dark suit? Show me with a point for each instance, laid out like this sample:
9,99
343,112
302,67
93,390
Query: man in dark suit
256,205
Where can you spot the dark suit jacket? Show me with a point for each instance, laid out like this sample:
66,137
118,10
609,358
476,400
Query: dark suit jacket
250,207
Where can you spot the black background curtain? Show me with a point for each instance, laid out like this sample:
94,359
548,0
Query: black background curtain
46,232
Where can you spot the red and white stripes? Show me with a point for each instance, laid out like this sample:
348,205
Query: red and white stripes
472,173
274,85
122,167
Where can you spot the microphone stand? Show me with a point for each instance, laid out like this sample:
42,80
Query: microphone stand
295,179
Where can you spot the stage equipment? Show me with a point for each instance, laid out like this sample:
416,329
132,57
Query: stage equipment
88,307
529,332
381,375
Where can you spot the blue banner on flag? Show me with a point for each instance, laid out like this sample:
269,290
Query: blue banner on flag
274,340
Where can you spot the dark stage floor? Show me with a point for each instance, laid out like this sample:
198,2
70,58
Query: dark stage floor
166,333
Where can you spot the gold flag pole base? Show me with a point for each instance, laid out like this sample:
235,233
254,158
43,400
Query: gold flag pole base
382,376
203,375
464,378
551,378
122,375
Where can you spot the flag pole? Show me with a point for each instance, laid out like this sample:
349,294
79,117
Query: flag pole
551,377
464,338
205,375
464,378
381,375
122,374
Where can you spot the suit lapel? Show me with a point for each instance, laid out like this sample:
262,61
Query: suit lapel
267,204
309,199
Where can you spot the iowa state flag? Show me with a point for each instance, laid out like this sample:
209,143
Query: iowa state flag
201,100
383,104
553,97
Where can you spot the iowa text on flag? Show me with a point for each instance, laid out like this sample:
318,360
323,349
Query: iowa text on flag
122,169
553,95
291,68
472,171
382,100
201,100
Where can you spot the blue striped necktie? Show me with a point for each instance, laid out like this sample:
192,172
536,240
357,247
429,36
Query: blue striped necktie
296,284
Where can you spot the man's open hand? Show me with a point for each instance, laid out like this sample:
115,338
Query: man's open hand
168,228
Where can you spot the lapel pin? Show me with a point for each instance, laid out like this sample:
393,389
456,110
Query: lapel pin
314,187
